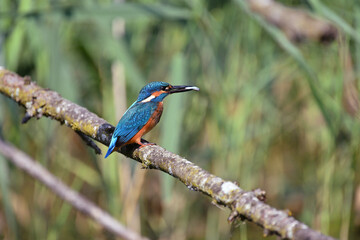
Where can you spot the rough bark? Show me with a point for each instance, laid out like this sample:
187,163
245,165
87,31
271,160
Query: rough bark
243,204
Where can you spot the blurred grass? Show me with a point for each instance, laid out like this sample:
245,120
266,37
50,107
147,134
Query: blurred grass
6,199
172,128
335,18
270,114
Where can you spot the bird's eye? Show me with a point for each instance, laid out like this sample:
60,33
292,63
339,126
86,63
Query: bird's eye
165,88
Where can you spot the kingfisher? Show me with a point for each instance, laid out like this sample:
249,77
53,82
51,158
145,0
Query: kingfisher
143,114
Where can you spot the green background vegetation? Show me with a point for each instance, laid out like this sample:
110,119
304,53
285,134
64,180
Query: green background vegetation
270,115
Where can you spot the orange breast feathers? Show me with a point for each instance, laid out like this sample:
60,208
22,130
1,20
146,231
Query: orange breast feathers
154,119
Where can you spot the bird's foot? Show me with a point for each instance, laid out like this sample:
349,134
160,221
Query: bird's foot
146,144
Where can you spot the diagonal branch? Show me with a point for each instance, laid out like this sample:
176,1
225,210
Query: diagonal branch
243,204
297,24
34,169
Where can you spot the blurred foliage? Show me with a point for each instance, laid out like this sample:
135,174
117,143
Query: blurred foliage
270,114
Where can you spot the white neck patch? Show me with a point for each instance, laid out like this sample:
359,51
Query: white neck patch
148,99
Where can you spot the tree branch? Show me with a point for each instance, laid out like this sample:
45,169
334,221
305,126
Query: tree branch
34,169
246,205
297,24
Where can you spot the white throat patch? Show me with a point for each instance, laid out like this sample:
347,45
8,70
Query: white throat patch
148,99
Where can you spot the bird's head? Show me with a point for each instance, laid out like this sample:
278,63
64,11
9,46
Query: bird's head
157,91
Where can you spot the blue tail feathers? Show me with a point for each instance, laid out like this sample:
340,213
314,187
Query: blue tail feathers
111,146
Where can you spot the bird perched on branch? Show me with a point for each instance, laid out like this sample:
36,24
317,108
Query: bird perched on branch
143,114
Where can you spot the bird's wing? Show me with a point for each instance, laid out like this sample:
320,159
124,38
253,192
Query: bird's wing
133,121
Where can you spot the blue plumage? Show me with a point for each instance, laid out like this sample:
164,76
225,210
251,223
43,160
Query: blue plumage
134,120
150,88
143,114
111,146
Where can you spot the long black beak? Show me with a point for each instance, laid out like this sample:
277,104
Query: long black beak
176,89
